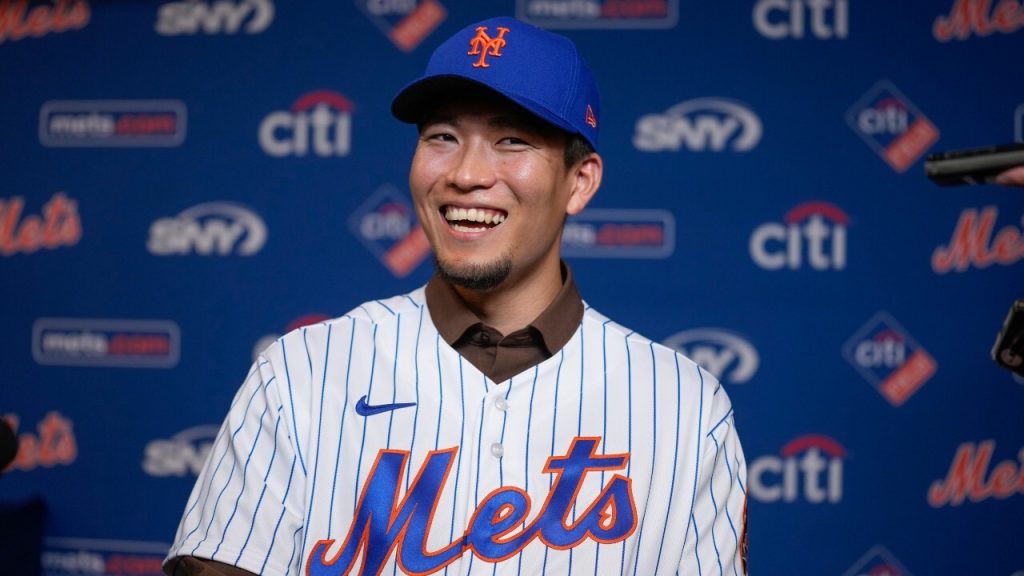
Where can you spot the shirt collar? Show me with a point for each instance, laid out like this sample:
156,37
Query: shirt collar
556,324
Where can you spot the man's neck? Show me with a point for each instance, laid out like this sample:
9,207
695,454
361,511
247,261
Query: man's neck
514,304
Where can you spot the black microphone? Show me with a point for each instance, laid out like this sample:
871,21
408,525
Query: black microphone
8,444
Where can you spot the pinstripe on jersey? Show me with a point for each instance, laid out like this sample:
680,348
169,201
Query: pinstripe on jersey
294,461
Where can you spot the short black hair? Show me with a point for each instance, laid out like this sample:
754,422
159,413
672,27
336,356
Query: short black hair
576,148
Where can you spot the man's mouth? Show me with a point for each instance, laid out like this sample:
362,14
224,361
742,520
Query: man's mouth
472,219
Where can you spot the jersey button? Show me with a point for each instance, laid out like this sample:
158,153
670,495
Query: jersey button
497,450
501,404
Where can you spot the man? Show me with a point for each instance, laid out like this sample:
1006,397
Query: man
489,422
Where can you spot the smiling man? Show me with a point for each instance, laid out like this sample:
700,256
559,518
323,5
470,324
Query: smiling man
490,422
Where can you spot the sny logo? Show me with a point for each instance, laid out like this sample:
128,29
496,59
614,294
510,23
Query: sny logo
972,243
405,22
484,45
892,126
877,562
885,354
813,462
814,229
58,226
220,228
795,12
184,453
322,118
405,523
727,355
700,124
17,21
222,17
386,225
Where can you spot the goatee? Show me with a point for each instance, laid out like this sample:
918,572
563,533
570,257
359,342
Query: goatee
477,277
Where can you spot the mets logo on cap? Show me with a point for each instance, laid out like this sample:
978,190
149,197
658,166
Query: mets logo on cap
485,46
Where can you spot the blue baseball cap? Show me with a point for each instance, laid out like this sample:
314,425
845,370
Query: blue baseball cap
538,70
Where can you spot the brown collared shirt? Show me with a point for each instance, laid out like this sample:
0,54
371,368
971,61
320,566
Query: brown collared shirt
500,356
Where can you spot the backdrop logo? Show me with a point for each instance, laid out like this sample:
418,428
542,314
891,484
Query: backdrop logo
972,243
219,17
887,356
81,557
699,125
599,13
386,225
625,233
18,21
892,126
184,453
112,123
106,342
809,469
877,562
813,231
969,477
969,17
58,225
219,228
53,443
321,119
405,22
824,19
727,355
268,339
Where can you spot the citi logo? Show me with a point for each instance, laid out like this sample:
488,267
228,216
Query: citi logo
219,17
702,124
887,349
213,228
889,116
184,453
813,233
823,19
728,356
320,120
810,468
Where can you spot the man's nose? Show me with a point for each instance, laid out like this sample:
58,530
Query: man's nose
473,168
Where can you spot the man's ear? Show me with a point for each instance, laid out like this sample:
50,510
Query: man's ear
586,179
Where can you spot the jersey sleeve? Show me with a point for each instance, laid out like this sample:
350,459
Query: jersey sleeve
717,533
246,507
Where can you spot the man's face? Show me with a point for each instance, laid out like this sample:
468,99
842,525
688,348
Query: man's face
492,191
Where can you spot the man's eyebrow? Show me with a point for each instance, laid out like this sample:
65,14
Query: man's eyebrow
521,122
439,119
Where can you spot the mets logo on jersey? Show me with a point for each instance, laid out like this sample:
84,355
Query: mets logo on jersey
485,46
382,524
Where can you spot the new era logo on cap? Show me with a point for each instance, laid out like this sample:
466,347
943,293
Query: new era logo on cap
539,70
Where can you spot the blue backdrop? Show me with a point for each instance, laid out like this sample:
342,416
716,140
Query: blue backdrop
186,180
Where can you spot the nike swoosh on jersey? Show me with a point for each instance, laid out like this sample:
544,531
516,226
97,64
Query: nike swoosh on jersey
364,409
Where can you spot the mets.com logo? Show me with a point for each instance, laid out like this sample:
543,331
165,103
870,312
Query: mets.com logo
83,557
106,342
730,357
405,22
889,358
702,124
386,224
621,14
211,228
112,123
620,233
892,126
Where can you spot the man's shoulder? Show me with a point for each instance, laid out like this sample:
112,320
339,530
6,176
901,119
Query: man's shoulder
386,309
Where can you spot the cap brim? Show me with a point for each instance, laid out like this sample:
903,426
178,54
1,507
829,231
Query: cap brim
412,101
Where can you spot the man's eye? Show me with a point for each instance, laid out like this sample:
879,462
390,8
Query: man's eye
513,141
441,137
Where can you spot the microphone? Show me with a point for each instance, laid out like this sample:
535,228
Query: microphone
8,444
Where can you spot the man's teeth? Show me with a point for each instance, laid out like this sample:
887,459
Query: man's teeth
453,214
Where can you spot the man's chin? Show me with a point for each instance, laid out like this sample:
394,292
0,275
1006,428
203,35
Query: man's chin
477,277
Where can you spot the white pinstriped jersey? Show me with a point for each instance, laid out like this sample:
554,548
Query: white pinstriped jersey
614,456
